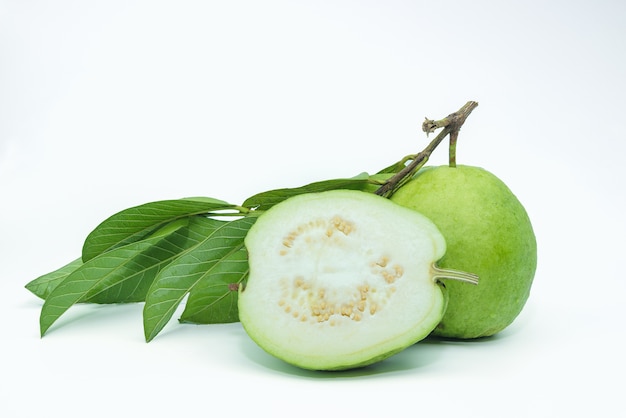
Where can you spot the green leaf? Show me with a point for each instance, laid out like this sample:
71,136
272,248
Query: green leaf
213,300
138,222
265,200
120,275
42,286
393,169
212,257
131,283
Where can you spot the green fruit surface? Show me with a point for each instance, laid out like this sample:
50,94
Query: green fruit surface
488,233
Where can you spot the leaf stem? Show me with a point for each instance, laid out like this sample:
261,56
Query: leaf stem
451,124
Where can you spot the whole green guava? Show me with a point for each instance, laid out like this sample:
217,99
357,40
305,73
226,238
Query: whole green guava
488,233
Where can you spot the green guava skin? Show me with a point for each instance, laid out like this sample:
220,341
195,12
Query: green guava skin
488,233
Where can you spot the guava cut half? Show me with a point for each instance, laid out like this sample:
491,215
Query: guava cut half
342,279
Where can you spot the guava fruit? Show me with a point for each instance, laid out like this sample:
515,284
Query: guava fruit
342,279
487,232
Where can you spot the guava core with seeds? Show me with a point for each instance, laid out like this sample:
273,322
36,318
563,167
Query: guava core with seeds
488,232
342,279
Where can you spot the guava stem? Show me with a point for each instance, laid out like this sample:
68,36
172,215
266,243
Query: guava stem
451,124
452,152
462,276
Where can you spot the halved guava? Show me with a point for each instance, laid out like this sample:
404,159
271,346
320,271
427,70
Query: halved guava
342,279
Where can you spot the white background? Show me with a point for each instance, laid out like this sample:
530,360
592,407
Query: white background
107,105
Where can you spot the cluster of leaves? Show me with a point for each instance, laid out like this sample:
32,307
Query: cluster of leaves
162,252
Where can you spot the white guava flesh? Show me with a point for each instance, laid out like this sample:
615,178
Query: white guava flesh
341,279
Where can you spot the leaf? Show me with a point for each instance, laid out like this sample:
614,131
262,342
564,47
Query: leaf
213,299
394,168
138,222
265,200
212,256
120,275
131,283
42,286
